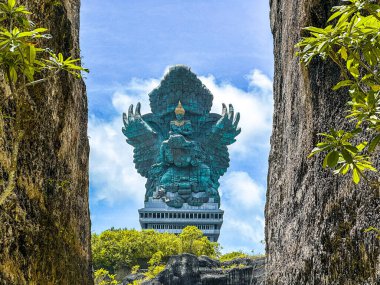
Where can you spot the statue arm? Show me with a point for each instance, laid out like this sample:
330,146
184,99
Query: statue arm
188,130
142,137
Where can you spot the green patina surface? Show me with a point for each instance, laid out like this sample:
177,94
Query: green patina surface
181,148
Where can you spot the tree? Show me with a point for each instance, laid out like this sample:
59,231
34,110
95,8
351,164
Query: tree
25,62
188,237
352,41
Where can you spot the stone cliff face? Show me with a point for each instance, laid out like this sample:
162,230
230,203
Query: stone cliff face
45,223
314,220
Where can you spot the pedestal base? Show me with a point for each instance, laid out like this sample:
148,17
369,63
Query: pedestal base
162,218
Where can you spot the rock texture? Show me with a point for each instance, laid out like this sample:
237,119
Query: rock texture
187,269
314,220
45,223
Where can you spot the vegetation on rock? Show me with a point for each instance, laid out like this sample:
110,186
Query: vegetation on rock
237,254
117,249
44,214
122,248
352,41
25,62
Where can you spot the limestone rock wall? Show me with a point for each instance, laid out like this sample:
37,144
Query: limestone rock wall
45,222
314,220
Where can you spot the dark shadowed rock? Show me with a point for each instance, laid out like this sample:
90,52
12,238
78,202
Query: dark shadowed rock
205,261
315,221
181,270
214,279
132,277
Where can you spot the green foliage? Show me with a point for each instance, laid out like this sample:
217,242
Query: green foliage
239,254
113,249
193,241
233,255
155,265
103,277
352,41
135,269
22,53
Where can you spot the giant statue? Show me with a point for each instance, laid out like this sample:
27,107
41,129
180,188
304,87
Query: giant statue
181,148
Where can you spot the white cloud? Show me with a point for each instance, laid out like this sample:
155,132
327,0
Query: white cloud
260,80
238,188
242,233
114,178
243,205
255,108
112,172
251,231
136,91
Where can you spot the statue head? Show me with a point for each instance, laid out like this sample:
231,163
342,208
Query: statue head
179,111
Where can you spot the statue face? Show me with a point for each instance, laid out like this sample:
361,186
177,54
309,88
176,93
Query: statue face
179,117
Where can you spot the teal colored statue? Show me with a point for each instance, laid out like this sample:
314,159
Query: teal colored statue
181,148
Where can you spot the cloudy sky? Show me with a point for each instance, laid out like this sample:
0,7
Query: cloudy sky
128,46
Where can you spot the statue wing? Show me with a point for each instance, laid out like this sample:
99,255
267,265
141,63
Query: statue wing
223,133
143,138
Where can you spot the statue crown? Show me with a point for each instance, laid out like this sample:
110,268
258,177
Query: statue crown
179,109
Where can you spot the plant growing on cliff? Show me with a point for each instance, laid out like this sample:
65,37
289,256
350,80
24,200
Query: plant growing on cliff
352,41
25,62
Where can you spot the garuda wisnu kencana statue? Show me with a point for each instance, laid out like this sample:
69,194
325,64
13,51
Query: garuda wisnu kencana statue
181,148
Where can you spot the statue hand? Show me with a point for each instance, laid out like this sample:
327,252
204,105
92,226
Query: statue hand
227,126
134,125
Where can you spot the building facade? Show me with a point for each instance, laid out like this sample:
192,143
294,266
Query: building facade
158,216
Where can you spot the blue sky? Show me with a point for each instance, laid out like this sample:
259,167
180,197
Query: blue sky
128,46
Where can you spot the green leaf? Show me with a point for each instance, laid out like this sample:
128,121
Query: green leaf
32,54
333,16
361,146
39,30
342,84
314,151
355,176
343,53
351,148
345,169
374,142
315,29
11,3
332,158
13,74
354,71
347,156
